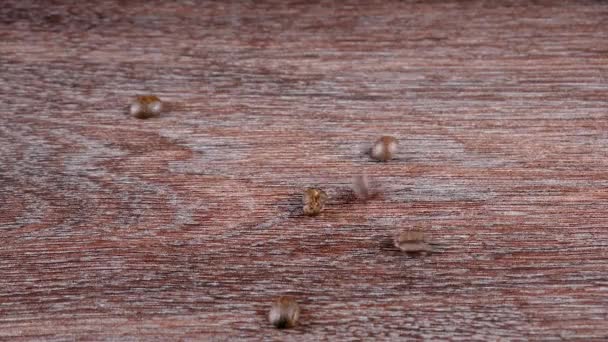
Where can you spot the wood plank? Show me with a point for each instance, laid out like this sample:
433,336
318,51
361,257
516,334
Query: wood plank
189,225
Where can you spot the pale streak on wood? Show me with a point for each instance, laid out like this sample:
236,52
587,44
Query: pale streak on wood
187,226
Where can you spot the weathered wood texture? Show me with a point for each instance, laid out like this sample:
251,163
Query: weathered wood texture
188,226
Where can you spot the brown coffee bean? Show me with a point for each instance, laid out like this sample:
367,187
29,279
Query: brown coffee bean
314,201
146,106
384,149
284,313
412,241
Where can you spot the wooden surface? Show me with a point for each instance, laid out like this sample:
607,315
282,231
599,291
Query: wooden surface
188,226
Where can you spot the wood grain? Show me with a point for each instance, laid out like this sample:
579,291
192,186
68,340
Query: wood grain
188,226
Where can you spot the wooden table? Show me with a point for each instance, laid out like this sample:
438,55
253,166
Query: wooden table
187,226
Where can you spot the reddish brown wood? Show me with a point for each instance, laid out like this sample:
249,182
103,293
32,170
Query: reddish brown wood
189,225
